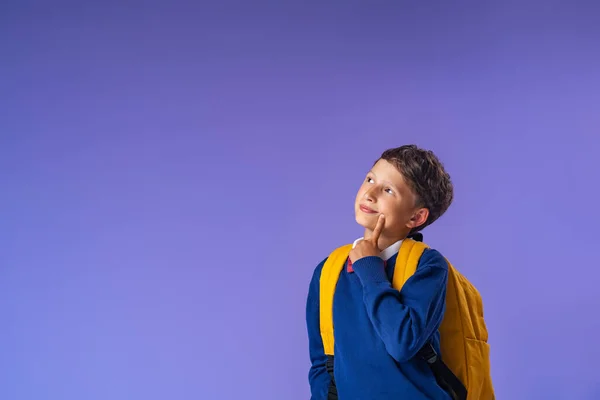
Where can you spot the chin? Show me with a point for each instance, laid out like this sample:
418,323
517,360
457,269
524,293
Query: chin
364,221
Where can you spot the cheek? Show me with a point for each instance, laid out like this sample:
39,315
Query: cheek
360,193
393,214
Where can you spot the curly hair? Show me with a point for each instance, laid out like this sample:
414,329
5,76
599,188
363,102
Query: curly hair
426,176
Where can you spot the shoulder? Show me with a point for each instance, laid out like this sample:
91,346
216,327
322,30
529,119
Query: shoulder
432,258
339,254
319,268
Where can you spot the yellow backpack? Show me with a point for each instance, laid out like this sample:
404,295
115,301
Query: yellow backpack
463,333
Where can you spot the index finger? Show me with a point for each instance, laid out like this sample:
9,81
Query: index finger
378,228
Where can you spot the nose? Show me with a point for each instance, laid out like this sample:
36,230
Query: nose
370,194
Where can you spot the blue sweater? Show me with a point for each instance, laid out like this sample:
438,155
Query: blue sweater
378,331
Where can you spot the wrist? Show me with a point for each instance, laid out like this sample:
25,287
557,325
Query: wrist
370,269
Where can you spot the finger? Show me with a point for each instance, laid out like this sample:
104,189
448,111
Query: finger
378,228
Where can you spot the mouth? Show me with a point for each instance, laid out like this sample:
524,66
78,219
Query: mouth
367,210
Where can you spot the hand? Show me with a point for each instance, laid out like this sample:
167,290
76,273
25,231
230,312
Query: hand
368,247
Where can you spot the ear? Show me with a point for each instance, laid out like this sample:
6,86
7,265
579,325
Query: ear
419,218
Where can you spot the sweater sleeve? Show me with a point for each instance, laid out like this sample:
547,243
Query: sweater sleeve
318,376
405,320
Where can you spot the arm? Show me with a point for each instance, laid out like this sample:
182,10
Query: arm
318,377
405,320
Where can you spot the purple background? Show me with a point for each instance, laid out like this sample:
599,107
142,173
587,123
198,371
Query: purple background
171,175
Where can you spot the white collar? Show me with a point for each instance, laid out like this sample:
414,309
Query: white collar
387,253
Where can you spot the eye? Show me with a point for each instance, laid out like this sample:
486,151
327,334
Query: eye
390,191
369,180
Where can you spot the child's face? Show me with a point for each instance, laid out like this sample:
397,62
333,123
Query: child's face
384,191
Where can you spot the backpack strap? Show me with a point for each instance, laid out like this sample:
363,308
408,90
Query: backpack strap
407,261
406,265
328,281
443,375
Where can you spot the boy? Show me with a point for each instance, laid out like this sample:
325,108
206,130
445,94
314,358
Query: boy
378,330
